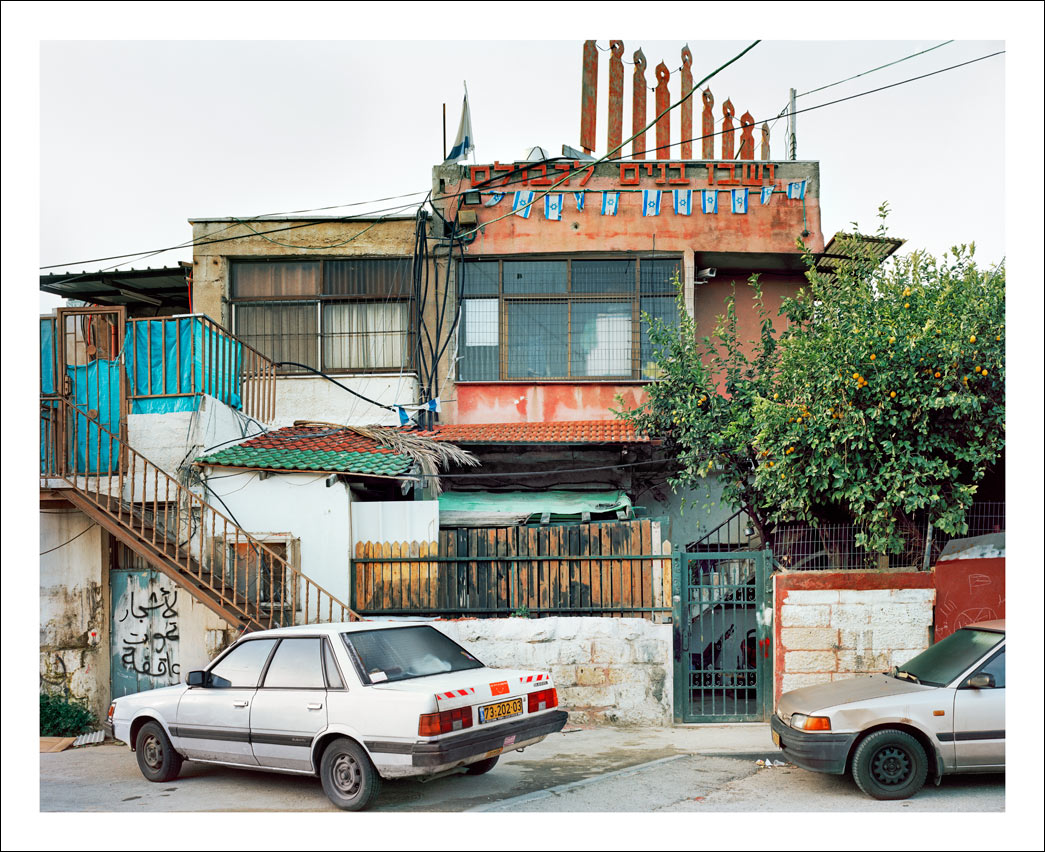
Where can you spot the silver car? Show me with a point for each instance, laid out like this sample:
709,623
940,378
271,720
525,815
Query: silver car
943,712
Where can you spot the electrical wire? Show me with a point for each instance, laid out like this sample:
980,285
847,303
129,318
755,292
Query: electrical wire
609,154
879,68
336,382
70,541
562,470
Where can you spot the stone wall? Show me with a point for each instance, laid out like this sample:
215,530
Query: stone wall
607,670
834,625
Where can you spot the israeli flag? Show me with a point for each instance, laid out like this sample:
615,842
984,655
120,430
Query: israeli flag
740,201
404,418
522,202
464,142
709,200
431,405
493,198
683,199
610,200
796,189
767,194
579,198
553,206
651,202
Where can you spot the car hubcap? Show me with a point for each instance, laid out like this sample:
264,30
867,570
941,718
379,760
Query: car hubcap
347,775
891,766
152,752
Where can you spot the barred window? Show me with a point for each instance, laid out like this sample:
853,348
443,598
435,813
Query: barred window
343,316
562,318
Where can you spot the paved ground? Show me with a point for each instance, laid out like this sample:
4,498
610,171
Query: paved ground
682,769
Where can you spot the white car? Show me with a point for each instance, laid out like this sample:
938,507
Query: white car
942,712
352,702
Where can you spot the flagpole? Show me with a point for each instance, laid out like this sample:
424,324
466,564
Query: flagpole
465,82
444,132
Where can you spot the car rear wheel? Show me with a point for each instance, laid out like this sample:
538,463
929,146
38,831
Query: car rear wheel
481,767
890,764
157,758
349,778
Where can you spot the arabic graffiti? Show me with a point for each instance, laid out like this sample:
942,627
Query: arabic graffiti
145,626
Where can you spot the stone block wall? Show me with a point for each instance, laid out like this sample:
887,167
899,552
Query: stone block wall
607,670
834,625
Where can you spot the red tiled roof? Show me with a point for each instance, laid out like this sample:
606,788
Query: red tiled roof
315,438
313,448
566,432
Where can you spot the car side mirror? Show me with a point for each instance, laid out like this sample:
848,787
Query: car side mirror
981,680
197,678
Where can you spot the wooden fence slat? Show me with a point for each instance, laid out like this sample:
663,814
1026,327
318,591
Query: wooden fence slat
503,570
544,574
584,567
414,577
533,568
646,579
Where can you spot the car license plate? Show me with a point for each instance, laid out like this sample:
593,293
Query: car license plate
776,739
500,710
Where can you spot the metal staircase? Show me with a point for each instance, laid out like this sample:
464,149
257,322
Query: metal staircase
174,528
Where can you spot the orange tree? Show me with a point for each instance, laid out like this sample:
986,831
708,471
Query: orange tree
881,404
704,401
888,403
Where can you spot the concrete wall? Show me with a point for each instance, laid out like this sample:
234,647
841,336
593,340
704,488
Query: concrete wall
79,647
74,608
294,506
314,398
607,670
834,625
210,262
169,440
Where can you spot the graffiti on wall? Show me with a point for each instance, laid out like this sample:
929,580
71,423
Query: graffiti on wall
968,591
145,631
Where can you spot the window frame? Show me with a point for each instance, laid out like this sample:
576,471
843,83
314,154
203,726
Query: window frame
633,298
320,299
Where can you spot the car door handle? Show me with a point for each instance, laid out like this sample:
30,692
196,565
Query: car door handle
314,706
240,703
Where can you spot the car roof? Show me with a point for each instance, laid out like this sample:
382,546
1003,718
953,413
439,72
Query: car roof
334,627
997,625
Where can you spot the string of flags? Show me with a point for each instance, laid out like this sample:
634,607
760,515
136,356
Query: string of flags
404,417
681,200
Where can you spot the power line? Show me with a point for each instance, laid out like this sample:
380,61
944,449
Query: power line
70,541
609,154
535,473
879,68
193,243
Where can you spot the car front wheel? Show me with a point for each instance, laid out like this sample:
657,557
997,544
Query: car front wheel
157,758
890,764
349,778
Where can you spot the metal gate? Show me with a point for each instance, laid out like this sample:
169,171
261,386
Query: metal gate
722,617
143,636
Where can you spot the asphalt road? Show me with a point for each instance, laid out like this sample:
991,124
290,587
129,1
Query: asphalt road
598,770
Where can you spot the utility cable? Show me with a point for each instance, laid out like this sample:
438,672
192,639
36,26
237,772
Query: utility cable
609,154
70,541
334,381
879,68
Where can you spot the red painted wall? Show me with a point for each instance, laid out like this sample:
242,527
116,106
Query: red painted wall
968,590
541,403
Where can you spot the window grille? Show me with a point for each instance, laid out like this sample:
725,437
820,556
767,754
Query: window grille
563,318
333,315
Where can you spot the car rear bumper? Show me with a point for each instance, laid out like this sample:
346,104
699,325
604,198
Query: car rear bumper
461,747
815,750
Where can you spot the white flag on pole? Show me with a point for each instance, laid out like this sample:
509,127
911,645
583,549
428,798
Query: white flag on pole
465,141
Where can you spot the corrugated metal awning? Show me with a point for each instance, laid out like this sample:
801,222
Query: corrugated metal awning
508,508
163,287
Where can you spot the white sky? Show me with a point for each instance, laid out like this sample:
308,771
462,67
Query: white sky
112,141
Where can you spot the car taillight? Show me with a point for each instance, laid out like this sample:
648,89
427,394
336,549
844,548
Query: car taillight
545,699
112,709
433,724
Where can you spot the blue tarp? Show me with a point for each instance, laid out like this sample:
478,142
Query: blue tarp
46,385
96,387
161,362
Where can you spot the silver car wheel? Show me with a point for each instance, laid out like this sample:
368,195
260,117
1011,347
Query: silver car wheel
347,775
152,752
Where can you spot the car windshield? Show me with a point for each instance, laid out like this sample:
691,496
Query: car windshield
407,652
948,658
